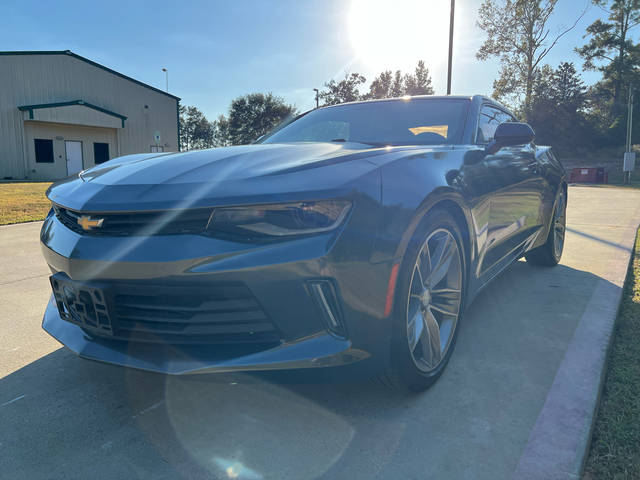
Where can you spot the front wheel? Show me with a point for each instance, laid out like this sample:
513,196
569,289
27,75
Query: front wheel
428,303
550,253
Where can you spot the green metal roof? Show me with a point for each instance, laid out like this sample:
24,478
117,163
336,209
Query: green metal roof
31,108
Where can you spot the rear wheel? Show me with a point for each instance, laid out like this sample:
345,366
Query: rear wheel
428,303
550,253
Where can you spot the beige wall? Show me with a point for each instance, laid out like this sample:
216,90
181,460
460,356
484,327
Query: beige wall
45,79
60,133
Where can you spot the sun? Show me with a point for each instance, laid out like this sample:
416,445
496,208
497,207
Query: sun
398,33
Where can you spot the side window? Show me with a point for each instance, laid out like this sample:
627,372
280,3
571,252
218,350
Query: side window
509,118
490,118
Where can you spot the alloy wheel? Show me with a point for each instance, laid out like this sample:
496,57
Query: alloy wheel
559,226
434,300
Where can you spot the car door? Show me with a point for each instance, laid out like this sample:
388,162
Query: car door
514,206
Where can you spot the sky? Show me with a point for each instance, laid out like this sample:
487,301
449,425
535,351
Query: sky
215,51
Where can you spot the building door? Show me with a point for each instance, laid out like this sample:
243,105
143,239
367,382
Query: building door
74,156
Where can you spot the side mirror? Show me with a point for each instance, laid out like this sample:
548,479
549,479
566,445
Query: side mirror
509,134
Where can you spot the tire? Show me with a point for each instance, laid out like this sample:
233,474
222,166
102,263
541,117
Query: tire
417,359
549,254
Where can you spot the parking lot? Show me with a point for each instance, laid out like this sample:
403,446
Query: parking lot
524,342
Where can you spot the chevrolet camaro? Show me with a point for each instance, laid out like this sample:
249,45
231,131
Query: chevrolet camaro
355,234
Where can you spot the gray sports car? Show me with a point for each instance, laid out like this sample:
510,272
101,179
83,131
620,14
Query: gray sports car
355,234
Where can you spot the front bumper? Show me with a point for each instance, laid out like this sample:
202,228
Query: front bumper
276,274
319,350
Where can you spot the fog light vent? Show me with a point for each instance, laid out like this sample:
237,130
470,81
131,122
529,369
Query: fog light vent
325,296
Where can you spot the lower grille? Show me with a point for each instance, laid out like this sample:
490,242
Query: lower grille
168,313
227,314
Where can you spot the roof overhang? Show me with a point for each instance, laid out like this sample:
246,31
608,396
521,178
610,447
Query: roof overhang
75,112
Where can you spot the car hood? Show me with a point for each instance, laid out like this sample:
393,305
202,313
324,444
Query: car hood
256,173
221,164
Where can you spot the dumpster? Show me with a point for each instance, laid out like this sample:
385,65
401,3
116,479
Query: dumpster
588,175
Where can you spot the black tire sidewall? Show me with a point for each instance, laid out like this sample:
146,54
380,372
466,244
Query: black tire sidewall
545,255
552,230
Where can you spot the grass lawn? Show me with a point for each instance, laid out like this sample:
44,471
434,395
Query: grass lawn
615,446
23,202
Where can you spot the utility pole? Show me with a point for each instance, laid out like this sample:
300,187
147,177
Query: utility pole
317,97
629,156
166,77
451,20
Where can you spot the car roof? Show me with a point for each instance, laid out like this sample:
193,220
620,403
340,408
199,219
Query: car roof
404,98
470,98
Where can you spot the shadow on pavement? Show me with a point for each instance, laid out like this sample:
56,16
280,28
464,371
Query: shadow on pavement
598,239
80,419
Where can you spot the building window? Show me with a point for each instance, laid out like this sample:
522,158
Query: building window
157,148
44,150
100,152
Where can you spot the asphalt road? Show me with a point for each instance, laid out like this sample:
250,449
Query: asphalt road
64,417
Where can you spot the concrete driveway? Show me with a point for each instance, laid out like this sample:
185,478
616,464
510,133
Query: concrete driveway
497,411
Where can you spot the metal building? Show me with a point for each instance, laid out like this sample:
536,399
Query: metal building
61,113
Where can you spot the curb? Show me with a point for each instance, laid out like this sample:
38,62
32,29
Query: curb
22,223
559,442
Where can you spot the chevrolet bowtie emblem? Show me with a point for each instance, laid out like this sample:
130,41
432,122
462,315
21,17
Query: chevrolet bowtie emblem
87,223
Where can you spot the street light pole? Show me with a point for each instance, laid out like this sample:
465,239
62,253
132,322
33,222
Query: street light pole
629,156
317,97
451,20
166,75
629,118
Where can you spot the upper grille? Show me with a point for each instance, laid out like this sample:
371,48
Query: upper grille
167,222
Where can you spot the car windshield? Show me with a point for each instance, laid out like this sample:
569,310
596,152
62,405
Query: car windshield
401,122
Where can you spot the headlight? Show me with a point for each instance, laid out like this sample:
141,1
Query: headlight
282,219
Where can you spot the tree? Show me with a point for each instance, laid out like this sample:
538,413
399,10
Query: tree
558,108
420,82
518,35
569,89
381,86
251,116
397,87
611,51
196,131
346,90
388,85
221,132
